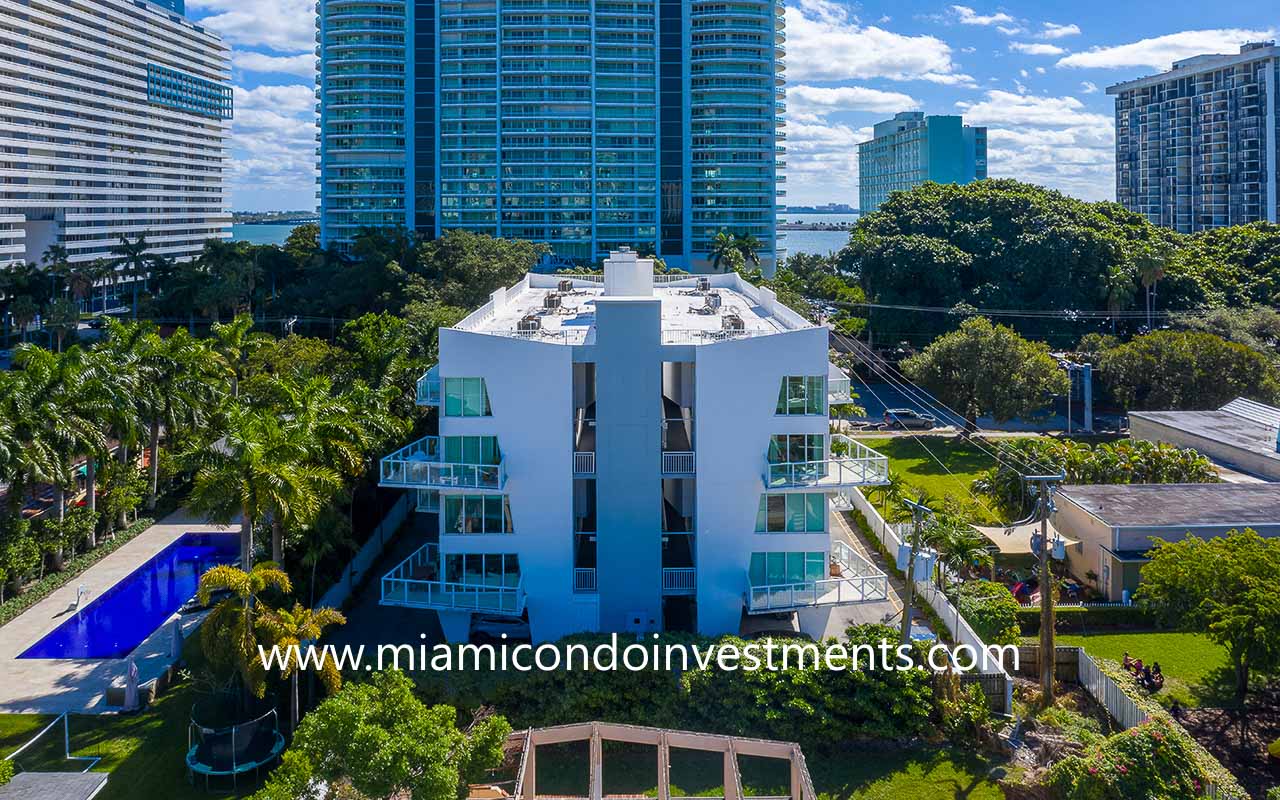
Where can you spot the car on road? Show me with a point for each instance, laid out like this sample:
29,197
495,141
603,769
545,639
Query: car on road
909,419
488,629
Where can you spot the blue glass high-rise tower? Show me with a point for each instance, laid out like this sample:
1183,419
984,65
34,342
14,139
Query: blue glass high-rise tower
586,124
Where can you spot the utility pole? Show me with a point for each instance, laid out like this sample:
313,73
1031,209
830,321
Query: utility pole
918,512
1044,504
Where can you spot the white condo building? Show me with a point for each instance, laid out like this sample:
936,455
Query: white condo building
632,452
114,120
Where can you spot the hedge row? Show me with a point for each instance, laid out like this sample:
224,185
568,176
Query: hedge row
53,581
1077,618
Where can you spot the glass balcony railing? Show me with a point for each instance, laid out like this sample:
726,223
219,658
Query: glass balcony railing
429,388
839,387
851,464
418,465
415,583
852,579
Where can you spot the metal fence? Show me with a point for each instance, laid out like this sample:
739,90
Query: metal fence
1108,693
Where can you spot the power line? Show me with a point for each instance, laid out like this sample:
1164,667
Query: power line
1068,315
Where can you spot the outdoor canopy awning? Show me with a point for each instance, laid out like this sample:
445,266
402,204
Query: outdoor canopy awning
1017,540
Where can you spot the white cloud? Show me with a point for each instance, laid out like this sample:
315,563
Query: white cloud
1161,51
812,102
1088,87
273,138
1052,30
303,65
967,16
1011,30
1040,70
1055,141
825,42
285,25
1036,48
823,158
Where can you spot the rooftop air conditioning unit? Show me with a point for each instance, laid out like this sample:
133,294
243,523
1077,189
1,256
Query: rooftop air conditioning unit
565,286
712,302
551,302
704,284
530,323
732,323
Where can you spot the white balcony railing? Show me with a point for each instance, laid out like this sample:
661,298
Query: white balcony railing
418,465
859,465
415,583
429,388
584,580
679,580
584,463
858,581
678,462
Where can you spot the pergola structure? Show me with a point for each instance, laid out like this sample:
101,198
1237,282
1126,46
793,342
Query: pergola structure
596,733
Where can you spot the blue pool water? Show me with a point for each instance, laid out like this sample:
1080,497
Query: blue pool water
119,619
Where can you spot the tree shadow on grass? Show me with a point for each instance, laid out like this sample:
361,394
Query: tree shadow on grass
876,772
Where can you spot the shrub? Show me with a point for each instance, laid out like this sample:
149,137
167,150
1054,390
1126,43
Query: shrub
1080,618
1273,793
1149,760
6,772
963,711
992,611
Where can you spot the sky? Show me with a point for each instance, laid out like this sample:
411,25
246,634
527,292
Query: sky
1034,72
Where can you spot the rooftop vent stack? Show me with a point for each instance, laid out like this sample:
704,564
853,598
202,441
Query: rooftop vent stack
732,323
713,302
551,302
704,284
529,324
565,286
627,275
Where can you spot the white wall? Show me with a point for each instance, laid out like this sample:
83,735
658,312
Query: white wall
737,395
530,386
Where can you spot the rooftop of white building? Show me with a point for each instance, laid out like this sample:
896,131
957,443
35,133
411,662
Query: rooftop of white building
696,309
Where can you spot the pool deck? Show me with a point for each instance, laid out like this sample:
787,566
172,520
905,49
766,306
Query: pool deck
52,686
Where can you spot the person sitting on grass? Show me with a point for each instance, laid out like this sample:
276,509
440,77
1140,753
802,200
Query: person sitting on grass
1157,677
1127,663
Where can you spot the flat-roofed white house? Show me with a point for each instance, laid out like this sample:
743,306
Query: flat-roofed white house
632,452
1243,434
1110,528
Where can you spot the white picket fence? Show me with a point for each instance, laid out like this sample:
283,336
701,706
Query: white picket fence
1108,693
368,554
959,628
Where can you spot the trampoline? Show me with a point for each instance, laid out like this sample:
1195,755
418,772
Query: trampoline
232,750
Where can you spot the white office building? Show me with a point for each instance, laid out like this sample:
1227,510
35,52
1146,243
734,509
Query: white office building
114,120
632,452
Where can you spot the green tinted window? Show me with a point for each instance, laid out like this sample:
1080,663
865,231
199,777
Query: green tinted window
466,397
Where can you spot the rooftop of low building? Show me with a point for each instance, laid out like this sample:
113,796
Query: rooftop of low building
1178,504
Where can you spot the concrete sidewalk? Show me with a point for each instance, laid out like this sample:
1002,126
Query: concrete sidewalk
838,618
52,686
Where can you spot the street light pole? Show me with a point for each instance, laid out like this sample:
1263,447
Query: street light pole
918,511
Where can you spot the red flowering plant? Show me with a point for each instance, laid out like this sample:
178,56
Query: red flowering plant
1144,761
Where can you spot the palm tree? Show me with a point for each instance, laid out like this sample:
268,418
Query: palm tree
721,246
58,264
299,628
103,273
134,262
749,246
261,469
233,343
1152,265
892,491
230,633
1119,290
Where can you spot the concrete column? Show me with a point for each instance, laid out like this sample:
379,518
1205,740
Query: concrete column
664,768
597,765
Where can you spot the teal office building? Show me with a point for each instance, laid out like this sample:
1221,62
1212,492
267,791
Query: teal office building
911,148
590,125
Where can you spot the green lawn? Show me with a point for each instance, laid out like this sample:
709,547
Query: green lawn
860,774
1193,665
910,457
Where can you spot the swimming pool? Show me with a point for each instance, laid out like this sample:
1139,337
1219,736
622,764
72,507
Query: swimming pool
119,619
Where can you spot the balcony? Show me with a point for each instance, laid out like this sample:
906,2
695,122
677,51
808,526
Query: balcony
418,466
858,465
679,580
584,580
428,501
857,582
415,583
839,387
678,462
584,463
429,387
